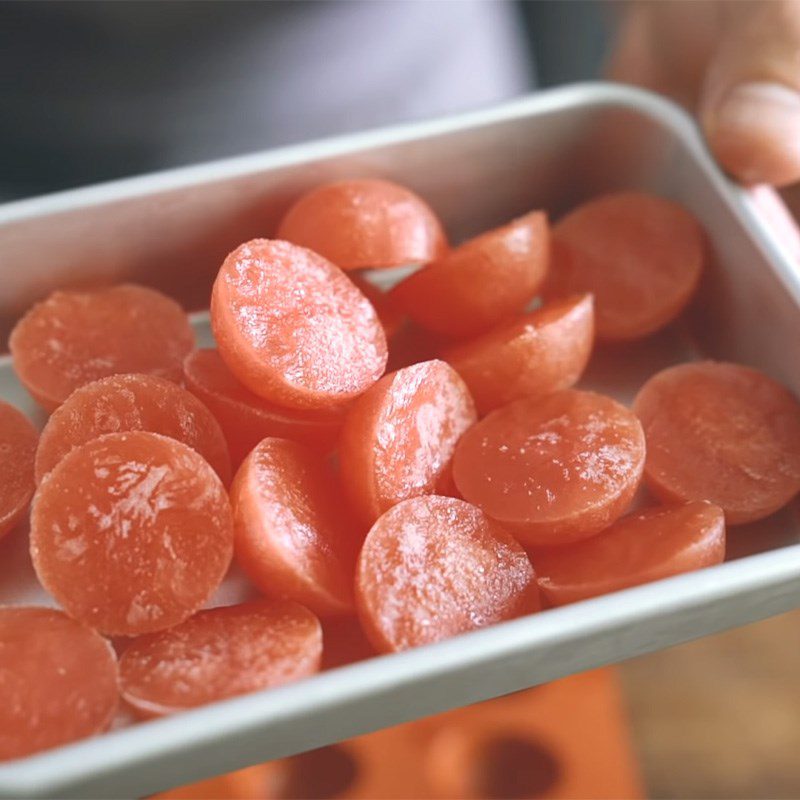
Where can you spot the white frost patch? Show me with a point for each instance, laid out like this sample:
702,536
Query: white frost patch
71,549
142,611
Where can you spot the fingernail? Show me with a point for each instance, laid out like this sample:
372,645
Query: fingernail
756,131
755,106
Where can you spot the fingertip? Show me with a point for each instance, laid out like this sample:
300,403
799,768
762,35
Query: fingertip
754,133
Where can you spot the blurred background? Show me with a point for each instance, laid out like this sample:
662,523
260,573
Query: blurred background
93,91
98,90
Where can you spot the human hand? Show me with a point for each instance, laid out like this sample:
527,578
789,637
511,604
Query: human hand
736,63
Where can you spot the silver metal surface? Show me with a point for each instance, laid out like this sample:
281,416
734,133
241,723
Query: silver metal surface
550,150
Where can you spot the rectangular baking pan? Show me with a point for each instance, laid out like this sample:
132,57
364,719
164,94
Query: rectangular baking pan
549,150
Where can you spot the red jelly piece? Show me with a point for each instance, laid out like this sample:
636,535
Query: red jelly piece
642,547
365,223
724,433
533,356
640,255
220,653
399,436
132,403
293,537
482,282
246,418
58,681
294,328
18,440
553,470
432,567
74,338
131,532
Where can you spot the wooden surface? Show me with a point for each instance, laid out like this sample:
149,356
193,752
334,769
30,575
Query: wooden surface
720,717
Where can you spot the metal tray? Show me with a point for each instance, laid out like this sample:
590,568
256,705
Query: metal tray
549,150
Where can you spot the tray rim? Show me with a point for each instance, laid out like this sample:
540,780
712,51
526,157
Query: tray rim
64,769
758,585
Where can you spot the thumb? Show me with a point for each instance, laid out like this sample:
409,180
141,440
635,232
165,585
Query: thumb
750,107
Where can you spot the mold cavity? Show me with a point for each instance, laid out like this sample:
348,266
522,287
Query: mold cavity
317,775
513,768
